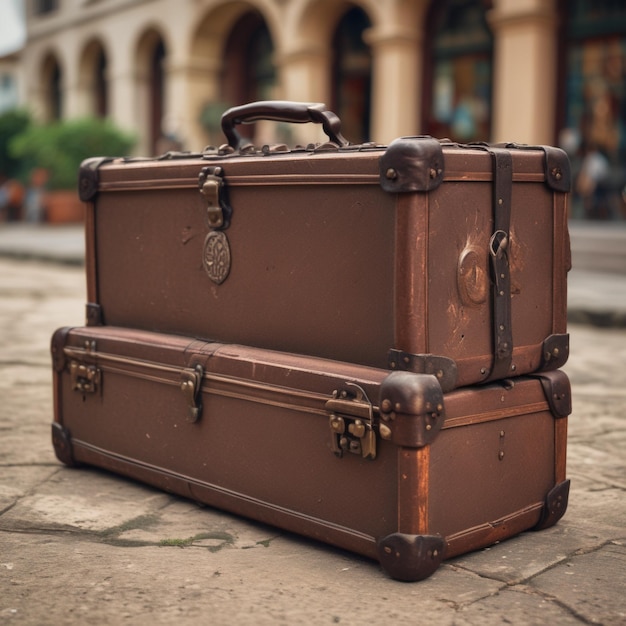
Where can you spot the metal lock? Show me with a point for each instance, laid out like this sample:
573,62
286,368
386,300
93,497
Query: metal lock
85,378
212,188
191,386
351,421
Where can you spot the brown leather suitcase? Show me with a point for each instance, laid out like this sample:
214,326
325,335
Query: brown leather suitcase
381,463
420,255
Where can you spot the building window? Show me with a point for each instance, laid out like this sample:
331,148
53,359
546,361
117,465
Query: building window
594,119
8,92
157,94
458,71
352,76
249,72
101,90
52,89
42,7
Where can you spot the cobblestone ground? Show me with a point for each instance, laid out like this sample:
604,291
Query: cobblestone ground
86,547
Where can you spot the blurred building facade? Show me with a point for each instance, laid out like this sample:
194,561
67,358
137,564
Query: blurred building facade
529,71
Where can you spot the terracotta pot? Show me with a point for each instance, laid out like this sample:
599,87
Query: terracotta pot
63,206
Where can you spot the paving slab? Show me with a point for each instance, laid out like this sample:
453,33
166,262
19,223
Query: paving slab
577,587
522,605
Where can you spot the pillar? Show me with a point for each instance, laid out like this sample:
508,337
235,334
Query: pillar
525,72
396,82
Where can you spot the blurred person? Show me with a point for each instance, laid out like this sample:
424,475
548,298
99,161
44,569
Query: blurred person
11,200
592,183
34,200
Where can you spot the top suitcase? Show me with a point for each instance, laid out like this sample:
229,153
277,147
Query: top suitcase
422,255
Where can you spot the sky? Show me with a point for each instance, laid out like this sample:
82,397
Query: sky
12,29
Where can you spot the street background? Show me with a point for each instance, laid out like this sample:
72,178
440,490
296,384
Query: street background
81,546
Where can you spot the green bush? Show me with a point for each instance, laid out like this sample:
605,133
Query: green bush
12,123
60,147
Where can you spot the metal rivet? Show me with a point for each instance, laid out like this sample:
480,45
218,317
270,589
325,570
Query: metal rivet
391,174
500,201
501,454
433,172
428,426
385,405
385,431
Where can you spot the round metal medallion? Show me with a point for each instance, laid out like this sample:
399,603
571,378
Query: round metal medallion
216,256
473,276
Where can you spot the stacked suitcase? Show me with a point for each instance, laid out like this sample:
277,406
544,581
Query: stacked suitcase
359,343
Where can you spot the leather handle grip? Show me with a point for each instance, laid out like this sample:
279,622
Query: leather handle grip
281,111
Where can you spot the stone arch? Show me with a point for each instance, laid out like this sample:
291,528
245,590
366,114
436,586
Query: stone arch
318,19
394,38
212,30
93,80
219,49
150,58
351,73
51,84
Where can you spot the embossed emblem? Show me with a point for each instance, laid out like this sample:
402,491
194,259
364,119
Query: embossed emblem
216,256
473,276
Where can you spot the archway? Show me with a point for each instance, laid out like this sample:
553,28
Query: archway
352,75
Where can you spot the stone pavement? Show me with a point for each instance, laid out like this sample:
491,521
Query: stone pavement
80,546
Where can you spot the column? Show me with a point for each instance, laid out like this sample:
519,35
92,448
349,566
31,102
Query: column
189,86
304,76
125,105
525,58
396,83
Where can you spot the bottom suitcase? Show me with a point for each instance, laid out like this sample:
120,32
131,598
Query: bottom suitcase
379,463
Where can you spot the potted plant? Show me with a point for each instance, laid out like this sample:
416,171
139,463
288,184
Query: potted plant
59,148
12,123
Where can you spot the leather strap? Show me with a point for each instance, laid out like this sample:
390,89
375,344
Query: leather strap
500,268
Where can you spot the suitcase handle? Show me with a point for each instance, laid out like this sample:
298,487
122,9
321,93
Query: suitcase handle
280,111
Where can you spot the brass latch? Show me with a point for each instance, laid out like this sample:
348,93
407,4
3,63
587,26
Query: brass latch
85,378
211,184
351,422
191,385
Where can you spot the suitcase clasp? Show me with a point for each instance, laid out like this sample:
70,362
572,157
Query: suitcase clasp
351,421
211,184
191,384
85,378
